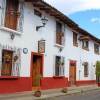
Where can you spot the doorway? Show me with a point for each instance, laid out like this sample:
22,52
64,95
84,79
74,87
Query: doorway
37,67
72,73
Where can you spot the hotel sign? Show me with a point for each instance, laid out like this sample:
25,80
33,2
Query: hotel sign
41,46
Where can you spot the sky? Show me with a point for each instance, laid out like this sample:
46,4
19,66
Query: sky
86,13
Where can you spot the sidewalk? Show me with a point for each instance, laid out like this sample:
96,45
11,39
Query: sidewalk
48,93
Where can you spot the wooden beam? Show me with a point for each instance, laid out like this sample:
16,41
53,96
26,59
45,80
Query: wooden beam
38,5
83,37
44,8
54,14
32,1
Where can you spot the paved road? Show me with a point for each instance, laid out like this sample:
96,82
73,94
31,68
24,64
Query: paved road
93,95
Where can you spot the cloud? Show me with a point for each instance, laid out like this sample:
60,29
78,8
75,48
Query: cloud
95,20
72,6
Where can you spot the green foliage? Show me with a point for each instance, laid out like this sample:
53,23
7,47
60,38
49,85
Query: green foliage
98,68
64,90
37,80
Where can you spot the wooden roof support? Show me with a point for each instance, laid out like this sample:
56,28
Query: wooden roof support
32,1
44,8
38,5
83,37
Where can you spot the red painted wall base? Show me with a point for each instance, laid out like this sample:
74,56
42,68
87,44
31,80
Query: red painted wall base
15,85
85,82
53,82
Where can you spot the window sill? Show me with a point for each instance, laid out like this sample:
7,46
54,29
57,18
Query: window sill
10,30
9,77
60,46
85,75
58,76
87,49
97,53
76,45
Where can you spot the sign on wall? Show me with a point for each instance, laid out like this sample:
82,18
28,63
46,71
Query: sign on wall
41,46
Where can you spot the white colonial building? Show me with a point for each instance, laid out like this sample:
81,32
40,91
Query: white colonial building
41,47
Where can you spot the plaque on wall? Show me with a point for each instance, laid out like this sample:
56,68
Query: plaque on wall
25,50
41,46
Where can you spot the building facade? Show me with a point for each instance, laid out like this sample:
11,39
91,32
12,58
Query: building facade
49,55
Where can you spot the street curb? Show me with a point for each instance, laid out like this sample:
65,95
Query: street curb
64,94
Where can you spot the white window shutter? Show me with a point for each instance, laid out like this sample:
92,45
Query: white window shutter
63,64
21,17
0,58
54,65
3,8
16,64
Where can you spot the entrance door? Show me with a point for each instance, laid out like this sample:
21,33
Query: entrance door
36,70
72,73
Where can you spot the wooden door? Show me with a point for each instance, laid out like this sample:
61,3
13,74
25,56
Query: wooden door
36,70
72,75
6,63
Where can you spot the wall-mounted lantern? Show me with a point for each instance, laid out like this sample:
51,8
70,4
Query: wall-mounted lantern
44,21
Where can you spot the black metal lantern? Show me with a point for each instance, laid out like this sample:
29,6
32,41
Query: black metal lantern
44,21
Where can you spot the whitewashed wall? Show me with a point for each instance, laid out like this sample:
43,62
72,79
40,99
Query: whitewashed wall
29,39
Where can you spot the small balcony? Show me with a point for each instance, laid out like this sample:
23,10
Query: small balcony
60,39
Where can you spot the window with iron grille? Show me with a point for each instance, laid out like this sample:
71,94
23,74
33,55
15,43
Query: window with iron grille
59,66
96,48
59,34
10,65
85,44
75,40
38,13
86,71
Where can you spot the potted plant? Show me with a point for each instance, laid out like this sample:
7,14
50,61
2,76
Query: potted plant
98,72
37,92
64,90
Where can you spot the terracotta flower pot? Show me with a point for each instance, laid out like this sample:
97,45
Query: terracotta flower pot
64,90
37,93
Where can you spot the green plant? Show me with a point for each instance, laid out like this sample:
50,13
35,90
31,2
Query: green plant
37,93
98,68
98,71
37,80
64,90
